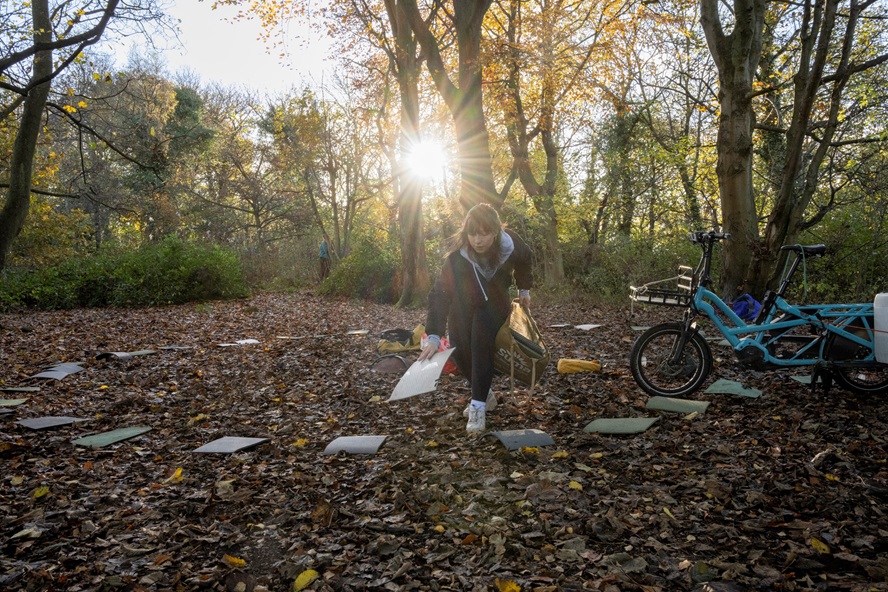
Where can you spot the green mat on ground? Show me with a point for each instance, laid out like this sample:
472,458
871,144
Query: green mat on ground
621,425
11,402
112,437
677,405
732,387
805,379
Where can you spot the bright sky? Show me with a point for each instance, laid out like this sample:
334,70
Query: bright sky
230,52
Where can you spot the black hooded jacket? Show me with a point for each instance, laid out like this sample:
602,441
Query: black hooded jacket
462,287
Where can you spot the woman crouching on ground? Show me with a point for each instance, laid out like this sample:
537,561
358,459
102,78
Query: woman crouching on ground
471,297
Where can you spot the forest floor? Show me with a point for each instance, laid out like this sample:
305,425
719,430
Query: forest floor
786,491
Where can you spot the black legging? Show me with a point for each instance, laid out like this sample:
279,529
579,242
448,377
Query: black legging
476,361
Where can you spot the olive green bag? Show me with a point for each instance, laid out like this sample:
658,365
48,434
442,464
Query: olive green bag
520,352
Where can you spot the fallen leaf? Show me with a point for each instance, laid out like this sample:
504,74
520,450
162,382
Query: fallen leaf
506,585
28,533
233,562
176,477
305,579
820,546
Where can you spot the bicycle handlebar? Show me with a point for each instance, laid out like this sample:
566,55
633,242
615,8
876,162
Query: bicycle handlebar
708,236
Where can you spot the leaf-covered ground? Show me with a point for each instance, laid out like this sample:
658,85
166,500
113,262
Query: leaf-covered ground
783,492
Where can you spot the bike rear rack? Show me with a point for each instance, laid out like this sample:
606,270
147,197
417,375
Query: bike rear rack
674,291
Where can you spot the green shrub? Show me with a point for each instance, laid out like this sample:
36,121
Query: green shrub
369,272
606,271
170,272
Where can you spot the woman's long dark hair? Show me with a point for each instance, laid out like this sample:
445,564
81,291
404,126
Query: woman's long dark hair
481,218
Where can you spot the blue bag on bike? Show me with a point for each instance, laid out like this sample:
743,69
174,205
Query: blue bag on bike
746,307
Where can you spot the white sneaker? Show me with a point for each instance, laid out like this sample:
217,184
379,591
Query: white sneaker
491,403
477,423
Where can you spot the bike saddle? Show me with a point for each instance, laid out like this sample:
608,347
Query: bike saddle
808,250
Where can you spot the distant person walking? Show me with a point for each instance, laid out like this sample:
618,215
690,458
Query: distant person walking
471,296
324,259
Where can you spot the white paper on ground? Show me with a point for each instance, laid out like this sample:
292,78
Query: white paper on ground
421,377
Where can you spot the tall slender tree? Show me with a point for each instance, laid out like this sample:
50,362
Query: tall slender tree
58,34
461,22
829,55
736,56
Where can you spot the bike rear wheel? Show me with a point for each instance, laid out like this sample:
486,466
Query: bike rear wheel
653,368
862,379
865,381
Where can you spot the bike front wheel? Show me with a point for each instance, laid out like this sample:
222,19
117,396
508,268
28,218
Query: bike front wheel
660,370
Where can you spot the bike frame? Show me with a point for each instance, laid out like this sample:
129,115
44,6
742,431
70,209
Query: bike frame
823,319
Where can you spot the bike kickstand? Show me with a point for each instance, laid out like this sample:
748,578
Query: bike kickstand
825,377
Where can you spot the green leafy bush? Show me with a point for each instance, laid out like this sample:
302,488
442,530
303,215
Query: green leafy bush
369,272
171,272
606,271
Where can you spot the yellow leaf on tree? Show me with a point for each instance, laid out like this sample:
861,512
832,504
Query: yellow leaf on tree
506,585
40,492
820,546
575,485
233,562
305,579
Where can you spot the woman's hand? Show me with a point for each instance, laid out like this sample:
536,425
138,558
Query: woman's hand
524,300
430,345
427,352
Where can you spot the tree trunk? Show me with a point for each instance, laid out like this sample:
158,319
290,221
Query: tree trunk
798,183
415,271
541,194
464,99
21,166
736,57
